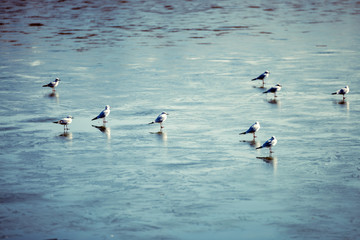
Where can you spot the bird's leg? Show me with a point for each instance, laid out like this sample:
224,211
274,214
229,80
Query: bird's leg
254,135
270,151
263,84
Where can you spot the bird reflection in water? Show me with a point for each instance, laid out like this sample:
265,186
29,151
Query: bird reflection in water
271,160
53,95
343,103
66,135
161,135
261,87
252,143
104,129
274,101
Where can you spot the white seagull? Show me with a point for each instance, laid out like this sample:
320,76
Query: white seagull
269,143
104,113
65,121
53,84
160,119
252,129
342,91
274,89
262,76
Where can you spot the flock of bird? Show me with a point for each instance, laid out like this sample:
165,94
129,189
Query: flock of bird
271,142
163,116
102,115
256,126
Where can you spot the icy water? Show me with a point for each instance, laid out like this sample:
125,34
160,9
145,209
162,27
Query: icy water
198,178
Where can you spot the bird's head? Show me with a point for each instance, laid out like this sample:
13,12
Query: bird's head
272,138
278,85
165,113
57,79
267,71
70,117
107,107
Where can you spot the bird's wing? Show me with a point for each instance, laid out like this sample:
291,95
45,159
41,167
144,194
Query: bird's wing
262,76
101,115
63,121
251,129
273,89
267,143
270,90
160,118
342,91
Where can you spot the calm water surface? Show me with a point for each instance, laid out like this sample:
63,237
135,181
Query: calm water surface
198,178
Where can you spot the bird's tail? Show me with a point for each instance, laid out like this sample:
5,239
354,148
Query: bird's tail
265,92
334,93
242,133
94,119
45,85
259,147
56,122
253,79
151,123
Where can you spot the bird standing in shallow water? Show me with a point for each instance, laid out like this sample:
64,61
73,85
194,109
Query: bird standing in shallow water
53,84
160,119
342,91
274,89
269,143
252,129
262,76
65,121
104,113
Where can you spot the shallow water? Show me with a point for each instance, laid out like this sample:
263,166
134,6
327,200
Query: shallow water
198,178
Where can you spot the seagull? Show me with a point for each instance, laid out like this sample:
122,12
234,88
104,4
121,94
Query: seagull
160,119
65,121
262,76
252,129
342,91
274,89
104,113
269,143
53,84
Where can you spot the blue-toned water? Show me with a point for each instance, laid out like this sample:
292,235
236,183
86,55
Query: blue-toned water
198,178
